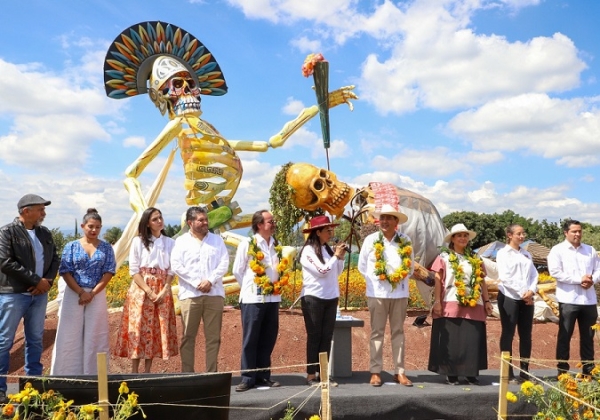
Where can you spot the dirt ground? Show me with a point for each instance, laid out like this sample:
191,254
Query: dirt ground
290,348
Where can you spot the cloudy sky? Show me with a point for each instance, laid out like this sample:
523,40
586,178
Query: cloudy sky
480,105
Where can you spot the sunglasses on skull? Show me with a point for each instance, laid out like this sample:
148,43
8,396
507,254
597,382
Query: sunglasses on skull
179,81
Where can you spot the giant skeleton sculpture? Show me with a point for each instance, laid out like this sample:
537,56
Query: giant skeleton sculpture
317,188
179,69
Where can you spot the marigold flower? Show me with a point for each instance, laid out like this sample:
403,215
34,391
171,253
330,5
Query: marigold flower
132,399
382,277
472,303
511,397
596,327
123,389
8,410
315,417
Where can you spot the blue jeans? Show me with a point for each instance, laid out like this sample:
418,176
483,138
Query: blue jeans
32,309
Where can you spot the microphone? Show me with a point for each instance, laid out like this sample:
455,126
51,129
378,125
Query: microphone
337,242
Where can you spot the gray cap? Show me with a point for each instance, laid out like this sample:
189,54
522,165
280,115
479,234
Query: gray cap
31,200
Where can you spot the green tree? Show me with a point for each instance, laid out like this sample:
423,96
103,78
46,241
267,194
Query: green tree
591,235
113,234
172,230
492,227
60,239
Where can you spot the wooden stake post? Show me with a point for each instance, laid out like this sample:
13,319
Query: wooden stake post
102,385
324,374
502,403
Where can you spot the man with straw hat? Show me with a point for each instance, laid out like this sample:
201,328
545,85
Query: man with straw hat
386,262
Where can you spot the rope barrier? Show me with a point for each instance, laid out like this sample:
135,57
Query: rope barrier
181,403
535,379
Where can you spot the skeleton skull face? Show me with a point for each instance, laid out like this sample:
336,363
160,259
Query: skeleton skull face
314,188
173,88
183,93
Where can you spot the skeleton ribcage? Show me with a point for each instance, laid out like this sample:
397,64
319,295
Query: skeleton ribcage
212,168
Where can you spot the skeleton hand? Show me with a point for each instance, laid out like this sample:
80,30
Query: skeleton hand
342,96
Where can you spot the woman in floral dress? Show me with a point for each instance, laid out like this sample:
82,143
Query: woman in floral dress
148,326
458,335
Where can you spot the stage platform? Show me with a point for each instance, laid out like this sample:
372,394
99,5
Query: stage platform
429,399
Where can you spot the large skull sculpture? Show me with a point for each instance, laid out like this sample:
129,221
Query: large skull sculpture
173,88
314,188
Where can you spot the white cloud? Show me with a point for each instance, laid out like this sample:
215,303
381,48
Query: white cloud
565,130
50,140
453,67
339,149
436,162
293,106
71,104
306,45
135,141
552,203
305,138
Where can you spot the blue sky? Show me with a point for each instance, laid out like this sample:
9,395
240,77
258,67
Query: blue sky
478,105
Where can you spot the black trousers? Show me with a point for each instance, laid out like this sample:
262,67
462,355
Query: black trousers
515,315
586,316
319,320
260,325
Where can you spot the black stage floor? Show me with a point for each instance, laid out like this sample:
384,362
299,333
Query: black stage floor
429,399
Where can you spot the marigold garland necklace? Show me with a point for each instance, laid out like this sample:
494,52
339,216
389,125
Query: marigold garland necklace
263,282
467,294
404,252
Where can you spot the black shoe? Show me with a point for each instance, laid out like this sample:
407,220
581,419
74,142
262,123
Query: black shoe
472,380
524,376
243,386
3,399
268,383
313,382
452,380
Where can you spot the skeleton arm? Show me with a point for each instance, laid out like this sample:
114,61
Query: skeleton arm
340,96
337,97
136,197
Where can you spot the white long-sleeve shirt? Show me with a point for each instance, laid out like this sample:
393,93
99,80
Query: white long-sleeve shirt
318,279
516,272
568,265
158,256
366,265
194,260
245,276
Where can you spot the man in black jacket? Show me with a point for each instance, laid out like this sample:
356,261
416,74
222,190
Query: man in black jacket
28,266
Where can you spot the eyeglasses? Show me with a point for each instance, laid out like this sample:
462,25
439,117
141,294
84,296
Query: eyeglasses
271,222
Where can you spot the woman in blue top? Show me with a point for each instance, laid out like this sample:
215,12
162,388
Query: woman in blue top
87,266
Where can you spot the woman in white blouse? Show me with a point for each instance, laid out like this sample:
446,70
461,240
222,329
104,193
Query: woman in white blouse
518,284
148,326
321,266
